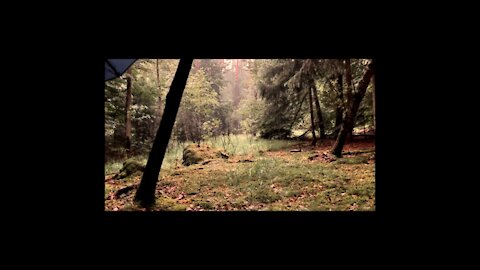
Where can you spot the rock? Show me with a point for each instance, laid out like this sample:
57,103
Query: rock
328,156
194,154
130,167
191,155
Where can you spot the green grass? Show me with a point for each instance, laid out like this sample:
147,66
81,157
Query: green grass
246,144
277,180
353,160
205,205
234,145
262,194
257,180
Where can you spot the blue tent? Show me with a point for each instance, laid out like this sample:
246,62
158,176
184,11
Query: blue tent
116,67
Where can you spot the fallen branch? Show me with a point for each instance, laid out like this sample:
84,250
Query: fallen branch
124,190
358,152
208,161
302,137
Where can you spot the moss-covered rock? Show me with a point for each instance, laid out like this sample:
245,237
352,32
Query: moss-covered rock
130,167
191,156
194,154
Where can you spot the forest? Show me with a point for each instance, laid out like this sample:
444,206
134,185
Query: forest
241,135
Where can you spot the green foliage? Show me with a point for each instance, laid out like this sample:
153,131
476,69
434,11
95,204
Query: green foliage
195,120
262,98
213,70
144,110
283,88
282,81
114,117
251,111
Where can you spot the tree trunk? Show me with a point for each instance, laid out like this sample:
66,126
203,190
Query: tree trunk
145,195
128,120
348,122
321,125
338,88
312,120
298,110
159,112
374,104
348,93
339,110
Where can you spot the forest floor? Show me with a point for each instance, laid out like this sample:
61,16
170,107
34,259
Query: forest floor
272,179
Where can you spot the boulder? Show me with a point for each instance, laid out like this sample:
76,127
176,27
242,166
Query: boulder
194,154
130,166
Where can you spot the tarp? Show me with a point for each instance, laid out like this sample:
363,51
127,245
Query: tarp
116,67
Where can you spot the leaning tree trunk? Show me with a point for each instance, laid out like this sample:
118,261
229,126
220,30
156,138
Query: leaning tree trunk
145,195
321,124
314,142
356,98
128,120
298,110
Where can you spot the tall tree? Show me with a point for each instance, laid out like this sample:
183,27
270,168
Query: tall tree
280,85
314,142
349,93
128,118
298,110
337,89
159,116
339,109
145,195
197,118
321,125
354,99
374,104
